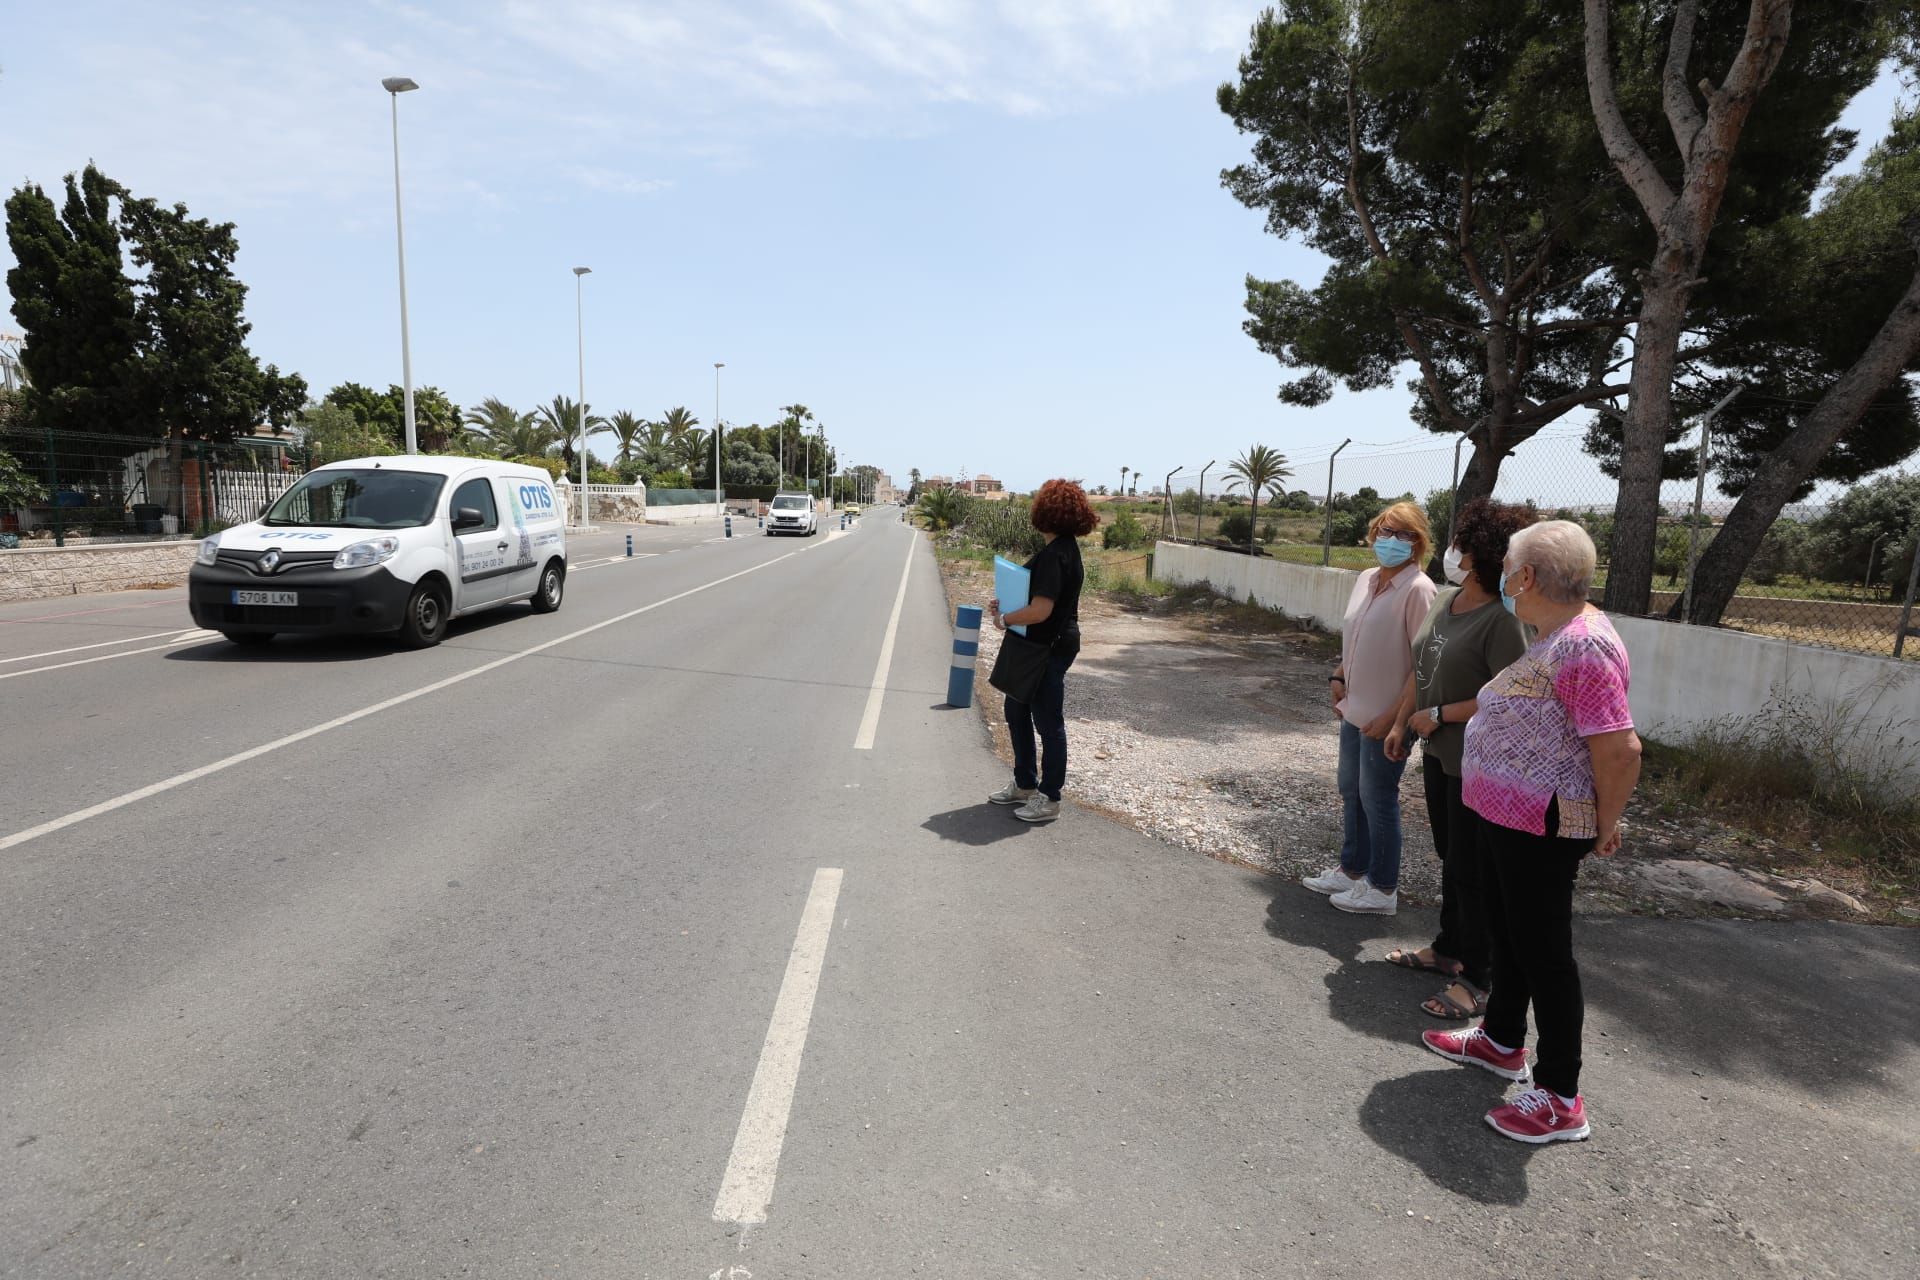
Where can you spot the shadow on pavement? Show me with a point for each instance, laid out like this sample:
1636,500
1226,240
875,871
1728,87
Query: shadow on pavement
1432,1120
292,649
1364,993
978,824
1740,999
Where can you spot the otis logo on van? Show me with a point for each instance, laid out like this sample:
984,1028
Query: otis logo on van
536,497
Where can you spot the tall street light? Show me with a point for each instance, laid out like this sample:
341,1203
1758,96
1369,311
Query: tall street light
580,328
719,494
395,86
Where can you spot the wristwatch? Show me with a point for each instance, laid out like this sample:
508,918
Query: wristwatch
1438,717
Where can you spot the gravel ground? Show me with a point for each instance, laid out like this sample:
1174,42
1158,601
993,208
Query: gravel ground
1218,738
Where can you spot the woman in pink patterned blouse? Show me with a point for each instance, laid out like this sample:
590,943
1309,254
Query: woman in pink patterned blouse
1550,759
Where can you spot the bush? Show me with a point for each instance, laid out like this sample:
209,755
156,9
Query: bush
943,508
1004,527
604,475
1125,533
671,478
17,488
1269,531
552,466
1237,527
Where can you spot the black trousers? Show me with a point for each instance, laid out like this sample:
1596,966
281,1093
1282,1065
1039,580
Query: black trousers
1463,906
1529,893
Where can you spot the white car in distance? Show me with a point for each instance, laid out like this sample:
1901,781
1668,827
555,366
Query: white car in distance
792,513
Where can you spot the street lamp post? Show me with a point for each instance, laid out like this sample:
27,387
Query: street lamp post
395,86
719,494
580,329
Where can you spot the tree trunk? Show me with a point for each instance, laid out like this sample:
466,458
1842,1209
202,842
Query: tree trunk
1725,560
1643,442
1253,526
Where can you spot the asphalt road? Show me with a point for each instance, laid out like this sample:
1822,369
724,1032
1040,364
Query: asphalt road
591,945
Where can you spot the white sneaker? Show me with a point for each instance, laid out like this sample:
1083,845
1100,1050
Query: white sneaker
1332,880
1012,793
1038,809
1365,900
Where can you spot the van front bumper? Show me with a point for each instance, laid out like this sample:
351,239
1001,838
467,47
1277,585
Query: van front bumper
329,601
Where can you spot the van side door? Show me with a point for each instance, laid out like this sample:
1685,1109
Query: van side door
482,550
522,553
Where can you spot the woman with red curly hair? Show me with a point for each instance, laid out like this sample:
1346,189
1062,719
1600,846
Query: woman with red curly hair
1052,618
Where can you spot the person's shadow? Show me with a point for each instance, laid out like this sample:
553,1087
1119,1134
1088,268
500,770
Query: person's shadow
1431,1119
977,824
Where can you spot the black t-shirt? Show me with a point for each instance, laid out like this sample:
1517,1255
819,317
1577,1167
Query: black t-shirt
1057,576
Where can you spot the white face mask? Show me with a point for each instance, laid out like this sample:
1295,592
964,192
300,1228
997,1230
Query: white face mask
1456,572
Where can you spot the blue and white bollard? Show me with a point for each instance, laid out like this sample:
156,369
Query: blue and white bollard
629,544
966,644
729,524
762,524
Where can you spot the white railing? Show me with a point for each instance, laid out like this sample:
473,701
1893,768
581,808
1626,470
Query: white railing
619,503
238,495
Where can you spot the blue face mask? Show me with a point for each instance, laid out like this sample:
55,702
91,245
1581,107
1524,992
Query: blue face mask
1506,599
1392,551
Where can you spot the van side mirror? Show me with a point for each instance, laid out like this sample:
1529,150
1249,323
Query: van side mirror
467,518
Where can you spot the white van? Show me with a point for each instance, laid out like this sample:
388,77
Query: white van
401,544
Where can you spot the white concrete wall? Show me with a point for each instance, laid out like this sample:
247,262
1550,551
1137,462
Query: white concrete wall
1682,676
33,573
684,515
1304,591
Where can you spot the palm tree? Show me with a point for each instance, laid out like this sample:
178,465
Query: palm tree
678,422
693,450
628,430
525,436
1123,480
562,418
495,419
1261,470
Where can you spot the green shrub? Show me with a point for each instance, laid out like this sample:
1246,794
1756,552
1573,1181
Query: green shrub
1237,527
1125,533
1003,527
943,508
1269,531
552,466
17,488
604,475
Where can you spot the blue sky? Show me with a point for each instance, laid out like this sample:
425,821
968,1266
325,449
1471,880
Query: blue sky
984,235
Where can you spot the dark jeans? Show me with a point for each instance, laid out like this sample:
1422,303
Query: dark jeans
1370,792
1463,904
1529,883
1047,715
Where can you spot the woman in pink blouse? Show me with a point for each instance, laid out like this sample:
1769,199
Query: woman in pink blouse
1549,761
1376,654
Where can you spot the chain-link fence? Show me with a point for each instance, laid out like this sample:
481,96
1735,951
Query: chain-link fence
75,488
1826,573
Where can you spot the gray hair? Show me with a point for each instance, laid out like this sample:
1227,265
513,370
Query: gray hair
1562,556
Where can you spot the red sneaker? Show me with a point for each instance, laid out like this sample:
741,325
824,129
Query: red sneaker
1472,1047
1538,1116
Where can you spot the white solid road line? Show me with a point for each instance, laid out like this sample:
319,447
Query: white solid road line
252,753
81,648
870,721
747,1189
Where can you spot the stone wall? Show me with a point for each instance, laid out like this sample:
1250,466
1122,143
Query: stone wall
33,573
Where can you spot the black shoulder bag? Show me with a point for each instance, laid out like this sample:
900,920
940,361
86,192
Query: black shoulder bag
1021,666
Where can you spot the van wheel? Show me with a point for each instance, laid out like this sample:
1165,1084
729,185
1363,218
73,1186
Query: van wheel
426,620
553,584
249,638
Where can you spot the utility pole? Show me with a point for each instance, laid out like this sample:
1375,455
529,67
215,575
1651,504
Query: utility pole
1700,498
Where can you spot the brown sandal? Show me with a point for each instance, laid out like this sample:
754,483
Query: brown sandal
1405,959
1445,1007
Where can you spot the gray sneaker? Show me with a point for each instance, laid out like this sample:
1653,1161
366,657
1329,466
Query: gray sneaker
1038,809
1011,794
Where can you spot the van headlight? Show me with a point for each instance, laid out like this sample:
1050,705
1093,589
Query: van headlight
371,552
209,550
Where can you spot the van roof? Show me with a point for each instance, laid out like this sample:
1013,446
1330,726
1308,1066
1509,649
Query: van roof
435,466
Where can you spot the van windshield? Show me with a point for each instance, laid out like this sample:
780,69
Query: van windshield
367,499
789,502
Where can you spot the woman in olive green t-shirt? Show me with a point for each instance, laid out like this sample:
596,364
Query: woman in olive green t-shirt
1466,638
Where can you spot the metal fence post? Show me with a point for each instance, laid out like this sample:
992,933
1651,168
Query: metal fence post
1326,548
200,458
53,493
966,645
1906,627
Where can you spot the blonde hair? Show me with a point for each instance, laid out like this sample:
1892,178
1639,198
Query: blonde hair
1408,516
1562,556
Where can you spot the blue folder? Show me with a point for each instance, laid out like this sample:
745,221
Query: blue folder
1014,585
